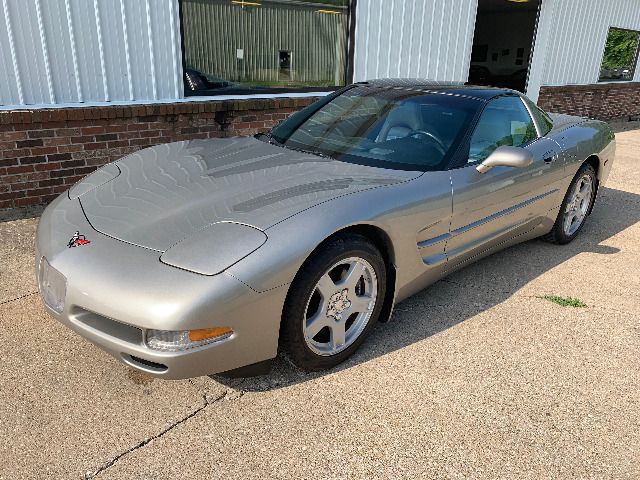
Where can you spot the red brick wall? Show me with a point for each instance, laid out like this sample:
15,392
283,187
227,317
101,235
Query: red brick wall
604,101
44,152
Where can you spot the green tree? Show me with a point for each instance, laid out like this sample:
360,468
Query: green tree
621,48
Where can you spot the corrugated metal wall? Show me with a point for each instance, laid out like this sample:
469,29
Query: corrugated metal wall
571,39
215,29
70,51
579,35
421,38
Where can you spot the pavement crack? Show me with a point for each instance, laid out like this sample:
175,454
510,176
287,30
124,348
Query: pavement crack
18,298
206,402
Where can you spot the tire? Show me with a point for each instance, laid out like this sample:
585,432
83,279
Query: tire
565,230
324,301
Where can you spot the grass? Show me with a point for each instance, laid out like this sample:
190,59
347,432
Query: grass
565,301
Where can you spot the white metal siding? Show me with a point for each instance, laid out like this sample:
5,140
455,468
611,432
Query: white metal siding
571,38
71,51
74,51
419,38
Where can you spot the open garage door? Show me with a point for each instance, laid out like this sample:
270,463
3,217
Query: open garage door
503,42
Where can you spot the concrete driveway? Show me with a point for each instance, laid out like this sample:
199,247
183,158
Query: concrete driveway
476,377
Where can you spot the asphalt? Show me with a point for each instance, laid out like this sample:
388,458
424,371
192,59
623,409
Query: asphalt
475,377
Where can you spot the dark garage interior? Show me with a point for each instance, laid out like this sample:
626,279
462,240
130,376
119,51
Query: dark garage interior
502,43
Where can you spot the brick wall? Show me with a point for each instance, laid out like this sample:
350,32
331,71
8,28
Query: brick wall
44,152
604,101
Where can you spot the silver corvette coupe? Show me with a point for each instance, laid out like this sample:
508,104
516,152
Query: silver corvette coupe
211,256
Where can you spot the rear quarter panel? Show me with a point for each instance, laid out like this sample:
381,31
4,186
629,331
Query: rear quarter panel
595,138
583,139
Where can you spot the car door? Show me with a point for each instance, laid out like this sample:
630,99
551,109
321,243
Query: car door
490,208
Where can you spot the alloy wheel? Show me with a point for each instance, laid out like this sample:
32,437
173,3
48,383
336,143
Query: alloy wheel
578,205
340,306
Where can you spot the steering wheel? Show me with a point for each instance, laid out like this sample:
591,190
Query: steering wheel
442,149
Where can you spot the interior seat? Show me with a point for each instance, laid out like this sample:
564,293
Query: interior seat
400,121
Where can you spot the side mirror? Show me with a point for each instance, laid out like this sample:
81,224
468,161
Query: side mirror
506,157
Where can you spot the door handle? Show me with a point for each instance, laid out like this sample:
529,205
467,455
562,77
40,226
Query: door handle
548,156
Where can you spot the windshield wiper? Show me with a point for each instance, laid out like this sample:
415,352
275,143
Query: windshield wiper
270,138
310,152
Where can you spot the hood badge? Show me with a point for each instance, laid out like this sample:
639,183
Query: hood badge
78,240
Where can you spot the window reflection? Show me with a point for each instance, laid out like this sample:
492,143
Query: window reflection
263,44
620,54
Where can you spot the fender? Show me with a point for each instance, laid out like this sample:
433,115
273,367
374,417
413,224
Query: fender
395,209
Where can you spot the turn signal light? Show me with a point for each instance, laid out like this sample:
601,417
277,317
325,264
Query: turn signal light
180,340
207,333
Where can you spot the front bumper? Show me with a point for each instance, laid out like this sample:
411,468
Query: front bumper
116,291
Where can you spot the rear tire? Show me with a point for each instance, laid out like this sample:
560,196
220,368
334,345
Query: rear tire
575,208
333,303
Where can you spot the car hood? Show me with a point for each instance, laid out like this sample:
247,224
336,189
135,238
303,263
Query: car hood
164,194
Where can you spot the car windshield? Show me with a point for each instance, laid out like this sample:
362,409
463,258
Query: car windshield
392,128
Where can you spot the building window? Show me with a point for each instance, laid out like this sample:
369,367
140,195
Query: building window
620,55
270,46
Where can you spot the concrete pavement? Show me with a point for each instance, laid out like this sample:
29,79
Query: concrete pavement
476,377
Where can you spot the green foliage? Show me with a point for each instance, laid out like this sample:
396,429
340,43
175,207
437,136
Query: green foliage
620,50
565,301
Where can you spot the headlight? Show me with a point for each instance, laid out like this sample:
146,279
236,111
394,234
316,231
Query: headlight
52,285
212,250
174,341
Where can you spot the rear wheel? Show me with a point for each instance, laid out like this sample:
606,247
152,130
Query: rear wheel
575,207
333,303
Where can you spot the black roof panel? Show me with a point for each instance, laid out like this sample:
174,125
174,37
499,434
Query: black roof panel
459,88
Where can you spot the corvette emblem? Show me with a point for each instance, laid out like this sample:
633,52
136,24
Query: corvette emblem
78,240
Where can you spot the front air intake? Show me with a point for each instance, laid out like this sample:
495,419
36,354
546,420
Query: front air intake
145,364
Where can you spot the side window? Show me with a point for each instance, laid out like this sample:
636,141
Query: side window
541,117
504,121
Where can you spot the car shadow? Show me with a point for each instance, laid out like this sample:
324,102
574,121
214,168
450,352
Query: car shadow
440,307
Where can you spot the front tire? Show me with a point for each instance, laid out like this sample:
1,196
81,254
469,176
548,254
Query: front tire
575,206
333,303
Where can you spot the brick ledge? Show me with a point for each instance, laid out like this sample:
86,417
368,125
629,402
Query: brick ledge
55,115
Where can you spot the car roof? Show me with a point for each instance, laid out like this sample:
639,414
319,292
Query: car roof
455,88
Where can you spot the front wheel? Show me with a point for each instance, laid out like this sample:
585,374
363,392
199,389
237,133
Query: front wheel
333,303
575,207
